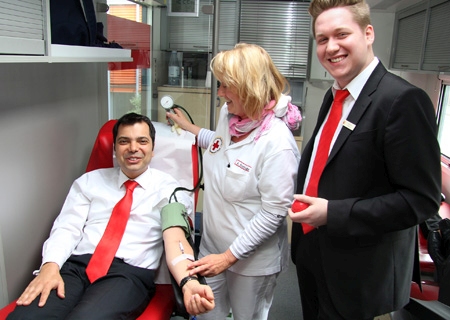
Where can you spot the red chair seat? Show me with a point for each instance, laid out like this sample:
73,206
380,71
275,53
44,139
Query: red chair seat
430,291
162,304
426,263
7,310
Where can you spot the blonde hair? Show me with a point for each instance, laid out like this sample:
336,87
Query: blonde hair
249,70
359,9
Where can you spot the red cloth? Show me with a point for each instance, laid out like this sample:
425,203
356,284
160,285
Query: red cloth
109,243
323,148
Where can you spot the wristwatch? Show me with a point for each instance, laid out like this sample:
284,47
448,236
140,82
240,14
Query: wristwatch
186,280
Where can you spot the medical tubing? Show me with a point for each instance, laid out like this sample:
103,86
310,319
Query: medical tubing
200,160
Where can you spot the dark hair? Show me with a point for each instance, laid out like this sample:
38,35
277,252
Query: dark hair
130,119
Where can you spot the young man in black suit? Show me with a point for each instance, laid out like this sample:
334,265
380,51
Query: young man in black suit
382,177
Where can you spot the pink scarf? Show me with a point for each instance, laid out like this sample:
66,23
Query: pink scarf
284,109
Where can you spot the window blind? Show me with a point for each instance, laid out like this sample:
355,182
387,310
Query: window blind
282,28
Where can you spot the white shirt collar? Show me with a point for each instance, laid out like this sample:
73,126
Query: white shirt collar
356,85
142,180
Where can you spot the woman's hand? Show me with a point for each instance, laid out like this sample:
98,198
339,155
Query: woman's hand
181,121
212,264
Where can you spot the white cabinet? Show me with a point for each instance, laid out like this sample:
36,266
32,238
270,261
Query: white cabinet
25,37
316,71
194,34
420,37
407,45
22,27
436,56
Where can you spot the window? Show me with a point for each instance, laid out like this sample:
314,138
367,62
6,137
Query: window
444,119
129,82
280,27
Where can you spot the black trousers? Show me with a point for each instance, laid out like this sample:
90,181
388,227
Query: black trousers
316,300
123,293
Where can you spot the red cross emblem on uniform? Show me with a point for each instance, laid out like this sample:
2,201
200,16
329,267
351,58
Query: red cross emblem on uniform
216,145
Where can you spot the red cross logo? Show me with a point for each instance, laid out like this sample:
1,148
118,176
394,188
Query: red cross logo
216,145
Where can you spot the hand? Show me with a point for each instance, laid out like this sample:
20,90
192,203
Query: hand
179,118
212,264
48,279
198,298
316,214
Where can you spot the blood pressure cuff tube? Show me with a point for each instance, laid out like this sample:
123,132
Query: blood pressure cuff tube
174,215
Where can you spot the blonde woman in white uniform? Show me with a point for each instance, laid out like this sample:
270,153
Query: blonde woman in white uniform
250,169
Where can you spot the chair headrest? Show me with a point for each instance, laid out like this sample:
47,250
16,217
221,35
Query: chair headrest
174,154
102,151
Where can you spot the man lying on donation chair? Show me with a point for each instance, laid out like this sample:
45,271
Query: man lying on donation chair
87,273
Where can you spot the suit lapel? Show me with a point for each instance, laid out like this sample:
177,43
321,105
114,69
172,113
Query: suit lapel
359,108
325,107
307,151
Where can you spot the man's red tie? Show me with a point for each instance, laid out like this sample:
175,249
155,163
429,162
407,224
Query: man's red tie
323,149
109,243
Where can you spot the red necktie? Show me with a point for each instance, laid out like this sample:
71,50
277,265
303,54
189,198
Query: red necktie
323,149
109,243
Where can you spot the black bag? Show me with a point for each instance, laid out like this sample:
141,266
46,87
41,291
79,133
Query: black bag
73,22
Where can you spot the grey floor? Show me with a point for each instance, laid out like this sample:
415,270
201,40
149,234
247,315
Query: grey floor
286,302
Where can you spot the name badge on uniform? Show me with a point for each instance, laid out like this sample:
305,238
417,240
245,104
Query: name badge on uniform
350,126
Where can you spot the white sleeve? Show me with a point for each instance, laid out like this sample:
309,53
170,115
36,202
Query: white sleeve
205,137
261,227
67,229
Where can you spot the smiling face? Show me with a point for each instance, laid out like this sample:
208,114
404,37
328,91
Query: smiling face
234,103
133,148
343,48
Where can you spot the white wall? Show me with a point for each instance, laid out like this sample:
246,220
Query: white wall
49,118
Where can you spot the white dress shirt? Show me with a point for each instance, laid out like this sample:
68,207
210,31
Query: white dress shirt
88,206
354,88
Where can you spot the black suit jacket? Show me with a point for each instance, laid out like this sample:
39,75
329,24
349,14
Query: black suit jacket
381,179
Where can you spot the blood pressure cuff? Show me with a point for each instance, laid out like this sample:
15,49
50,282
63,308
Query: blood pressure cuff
174,215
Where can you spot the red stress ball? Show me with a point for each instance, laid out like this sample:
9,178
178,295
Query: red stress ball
298,206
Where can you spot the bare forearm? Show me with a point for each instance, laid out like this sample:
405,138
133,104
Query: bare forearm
178,252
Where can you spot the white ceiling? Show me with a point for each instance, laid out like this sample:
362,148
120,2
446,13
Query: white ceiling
390,5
